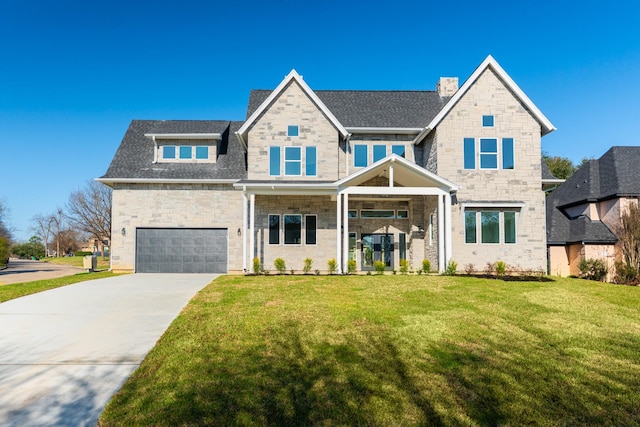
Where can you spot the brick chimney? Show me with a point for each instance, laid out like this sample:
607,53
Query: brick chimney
447,86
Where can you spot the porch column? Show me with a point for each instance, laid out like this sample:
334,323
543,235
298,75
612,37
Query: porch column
345,236
245,215
252,220
441,256
448,228
338,235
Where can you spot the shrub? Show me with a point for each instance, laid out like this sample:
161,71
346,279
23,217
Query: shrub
625,273
308,263
490,268
404,266
332,264
352,266
280,265
593,269
469,268
501,268
426,265
256,265
379,266
292,271
452,267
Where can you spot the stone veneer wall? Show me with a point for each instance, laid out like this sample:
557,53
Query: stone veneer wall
293,107
489,96
174,205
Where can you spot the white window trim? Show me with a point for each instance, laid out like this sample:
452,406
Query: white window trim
280,230
493,120
373,149
497,153
284,159
293,136
305,160
366,146
501,209
284,234
305,230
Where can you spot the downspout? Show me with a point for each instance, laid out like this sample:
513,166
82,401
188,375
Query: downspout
347,150
155,149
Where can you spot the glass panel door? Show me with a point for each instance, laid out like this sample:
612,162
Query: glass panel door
367,251
377,247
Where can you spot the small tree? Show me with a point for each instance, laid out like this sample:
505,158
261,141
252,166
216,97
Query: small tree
628,234
501,268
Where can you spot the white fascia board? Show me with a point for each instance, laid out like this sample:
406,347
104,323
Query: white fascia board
490,62
155,136
293,75
384,131
406,163
395,191
553,181
108,181
490,204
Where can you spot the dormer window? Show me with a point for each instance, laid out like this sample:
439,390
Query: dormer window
185,152
169,152
293,130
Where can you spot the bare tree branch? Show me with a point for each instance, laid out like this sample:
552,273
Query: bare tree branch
89,210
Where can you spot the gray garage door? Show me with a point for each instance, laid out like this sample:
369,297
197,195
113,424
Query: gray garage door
181,250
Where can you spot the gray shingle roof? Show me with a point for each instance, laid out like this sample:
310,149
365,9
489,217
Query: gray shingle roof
615,174
134,157
365,108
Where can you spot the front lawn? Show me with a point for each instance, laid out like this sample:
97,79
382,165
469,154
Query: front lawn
392,350
16,290
77,261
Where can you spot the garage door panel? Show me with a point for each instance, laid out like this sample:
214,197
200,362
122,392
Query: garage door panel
181,250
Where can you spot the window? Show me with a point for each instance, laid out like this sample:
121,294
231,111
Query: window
507,153
168,152
353,214
310,161
360,155
202,152
292,161
398,149
490,226
185,152
292,229
292,130
379,152
274,229
352,246
402,245
469,153
470,232
274,161
509,227
487,121
491,223
403,214
488,153
377,213
310,229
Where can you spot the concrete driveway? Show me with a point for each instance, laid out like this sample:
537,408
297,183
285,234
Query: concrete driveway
65,352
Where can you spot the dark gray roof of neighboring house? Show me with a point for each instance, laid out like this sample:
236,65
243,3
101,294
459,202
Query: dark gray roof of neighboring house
366,108
546,173
134,157
615,174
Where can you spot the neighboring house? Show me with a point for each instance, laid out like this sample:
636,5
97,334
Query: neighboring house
584,213
450,174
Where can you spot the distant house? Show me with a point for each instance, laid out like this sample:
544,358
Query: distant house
584,213
351,175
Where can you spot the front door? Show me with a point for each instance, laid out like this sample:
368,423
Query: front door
377,247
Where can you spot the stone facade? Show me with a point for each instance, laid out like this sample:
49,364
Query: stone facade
173,205
490,96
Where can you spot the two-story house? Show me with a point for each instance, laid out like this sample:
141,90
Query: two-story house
450,174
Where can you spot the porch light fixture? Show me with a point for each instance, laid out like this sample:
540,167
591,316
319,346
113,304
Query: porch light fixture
123,231
239,231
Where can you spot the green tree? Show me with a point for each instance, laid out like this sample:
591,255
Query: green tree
4,251
560,167
33,248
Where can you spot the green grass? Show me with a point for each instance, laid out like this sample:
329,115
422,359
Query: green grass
392,350
17,290
76,261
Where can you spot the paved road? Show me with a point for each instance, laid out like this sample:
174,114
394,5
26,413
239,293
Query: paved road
65,352
22,270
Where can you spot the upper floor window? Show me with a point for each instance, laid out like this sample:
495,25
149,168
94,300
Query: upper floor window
185,151
507,153
274,161
202,152
398,149
169,152
292,161
488,153
293,130
379,152
310,161
487,121
469,153
360,155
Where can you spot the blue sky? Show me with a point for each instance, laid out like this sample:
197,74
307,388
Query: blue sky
74,74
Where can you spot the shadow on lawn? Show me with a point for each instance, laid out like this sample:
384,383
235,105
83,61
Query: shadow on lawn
369,382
